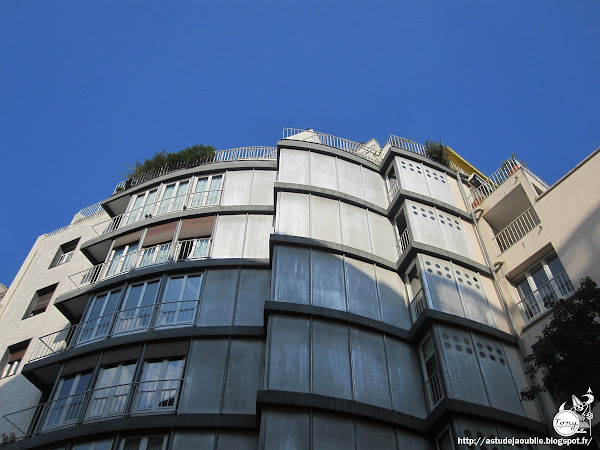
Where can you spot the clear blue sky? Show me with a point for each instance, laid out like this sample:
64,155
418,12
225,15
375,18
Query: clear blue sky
88,86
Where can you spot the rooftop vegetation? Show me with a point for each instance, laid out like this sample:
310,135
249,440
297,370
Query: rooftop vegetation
438,152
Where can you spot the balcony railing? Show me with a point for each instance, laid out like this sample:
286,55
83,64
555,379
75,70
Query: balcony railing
417,305
132,320
434,390
193,200
372,154
541,300
516,230
394,187
85,214
111,402
404,241
190,249
240,153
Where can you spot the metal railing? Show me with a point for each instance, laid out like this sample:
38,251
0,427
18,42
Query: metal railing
544,297
87,213
361,149
192,200
394,187
417,305
219,156
404,241
199,248
111,402
434,390
516,230
142,318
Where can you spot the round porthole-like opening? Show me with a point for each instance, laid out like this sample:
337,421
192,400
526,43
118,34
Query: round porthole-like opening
445,336
458,347
482,354
469,351
455,338
447,345
479,345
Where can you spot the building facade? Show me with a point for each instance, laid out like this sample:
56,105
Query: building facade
322,294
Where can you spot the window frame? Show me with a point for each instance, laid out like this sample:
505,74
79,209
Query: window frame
13,358
64,253
33,309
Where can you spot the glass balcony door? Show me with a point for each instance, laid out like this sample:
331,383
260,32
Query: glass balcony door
158,388
136,311
109,397
99,317
68,401
121,260
173,197
141,207
180,301
207,191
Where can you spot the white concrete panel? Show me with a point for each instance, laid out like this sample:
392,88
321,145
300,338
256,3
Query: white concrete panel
323,171
258,231
382,236
349,178
454,236
517,367
472,295
498,379
411,176
237,187
244,376
355,229
495,306
391,297
374,187
251,297
371,384
423,224
437,184
293,166
473,242
331,360
325,219
328,286
292,279
289,359
292,214
229,236
441,285
262,187
458,353
405,378
361,288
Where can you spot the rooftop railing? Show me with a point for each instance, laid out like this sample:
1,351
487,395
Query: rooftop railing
539,301
516,230
190,249
193,200
87,213
357,148
111,402
241,153
132,320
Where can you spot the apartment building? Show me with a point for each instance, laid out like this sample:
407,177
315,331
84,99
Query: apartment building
321,294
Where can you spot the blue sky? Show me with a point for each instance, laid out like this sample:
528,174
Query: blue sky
89,86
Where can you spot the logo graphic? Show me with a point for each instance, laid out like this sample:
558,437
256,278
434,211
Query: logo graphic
577,419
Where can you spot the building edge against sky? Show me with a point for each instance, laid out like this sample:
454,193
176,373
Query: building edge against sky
320,294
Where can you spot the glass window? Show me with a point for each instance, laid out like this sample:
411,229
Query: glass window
180,301
207,191
144,443
540,286
99,317
173,197
64,253
68,400
99,445
141,206
137,308
158,389
434,388
40,301
109,396
121,260
13,358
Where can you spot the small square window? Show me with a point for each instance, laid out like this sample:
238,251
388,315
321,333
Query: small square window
64,253
40,301
13,358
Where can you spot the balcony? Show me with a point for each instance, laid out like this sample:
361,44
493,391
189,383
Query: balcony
418,305
538,302
111,402
184,250
193,200
516,230
133,320
434,390
403,242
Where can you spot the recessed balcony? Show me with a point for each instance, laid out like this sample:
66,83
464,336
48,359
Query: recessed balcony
434,390
111,402
516,230
184,250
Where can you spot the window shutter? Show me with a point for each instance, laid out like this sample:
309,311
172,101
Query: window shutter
128,239
167,349
198,227
160,234
17,355
42,302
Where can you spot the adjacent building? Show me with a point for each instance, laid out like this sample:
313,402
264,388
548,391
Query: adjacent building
321,294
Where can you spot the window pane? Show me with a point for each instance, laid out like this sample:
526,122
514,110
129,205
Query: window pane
155,443
539,276
132,444
554,265
192,288
523,288
173,290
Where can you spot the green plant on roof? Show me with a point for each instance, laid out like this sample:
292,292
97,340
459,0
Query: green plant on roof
196,154
438,152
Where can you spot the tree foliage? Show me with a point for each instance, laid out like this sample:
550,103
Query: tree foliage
568,353
196,154
438,152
